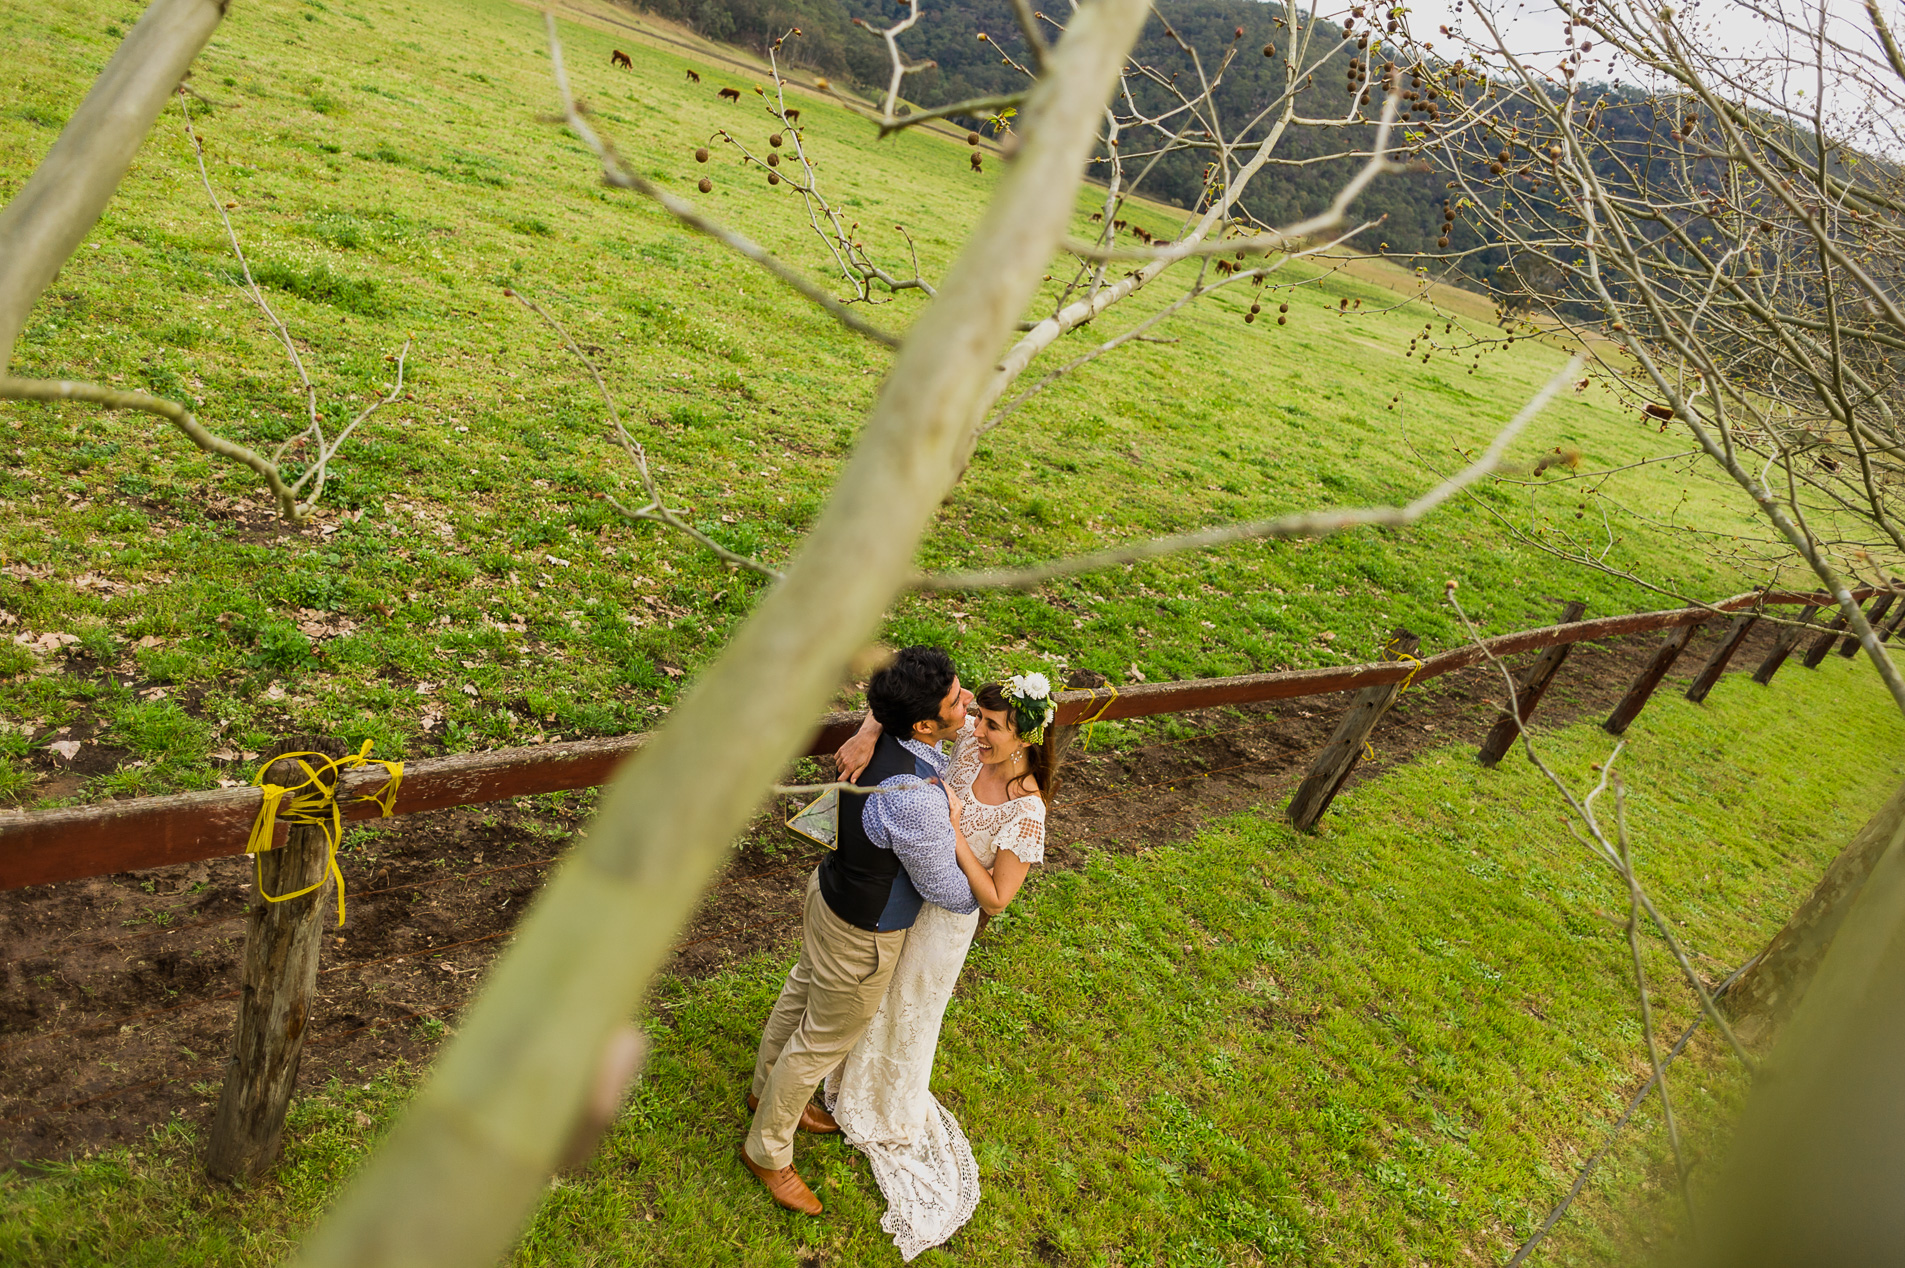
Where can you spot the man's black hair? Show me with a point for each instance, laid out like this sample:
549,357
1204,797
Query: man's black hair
910,690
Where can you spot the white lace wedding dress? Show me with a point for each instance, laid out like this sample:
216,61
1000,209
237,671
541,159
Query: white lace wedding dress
879,1095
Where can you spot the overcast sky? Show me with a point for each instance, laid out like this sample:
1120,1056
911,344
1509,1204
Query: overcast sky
1533,30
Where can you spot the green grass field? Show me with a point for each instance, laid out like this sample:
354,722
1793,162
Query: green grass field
1390,1043
391,169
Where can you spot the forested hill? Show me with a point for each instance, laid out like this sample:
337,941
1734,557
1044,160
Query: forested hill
1408,205
968,67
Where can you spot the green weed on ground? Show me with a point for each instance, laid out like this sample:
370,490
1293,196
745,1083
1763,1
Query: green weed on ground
392,171
1391,1042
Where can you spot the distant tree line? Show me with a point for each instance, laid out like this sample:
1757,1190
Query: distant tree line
1408,206
828,44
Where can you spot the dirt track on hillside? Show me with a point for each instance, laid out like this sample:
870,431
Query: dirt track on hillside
117,993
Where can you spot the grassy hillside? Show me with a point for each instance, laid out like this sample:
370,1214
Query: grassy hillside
1393,1042
1387,1043
391,169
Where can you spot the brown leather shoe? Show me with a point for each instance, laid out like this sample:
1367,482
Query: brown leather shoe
812,1117
784,1185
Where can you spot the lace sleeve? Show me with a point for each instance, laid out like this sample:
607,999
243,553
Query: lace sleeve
1024,835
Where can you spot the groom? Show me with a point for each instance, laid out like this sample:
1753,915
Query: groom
894,851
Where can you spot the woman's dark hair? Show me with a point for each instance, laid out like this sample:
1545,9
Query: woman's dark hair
1044,759
910,690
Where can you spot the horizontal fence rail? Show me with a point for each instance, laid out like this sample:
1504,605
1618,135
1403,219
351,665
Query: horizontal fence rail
45,847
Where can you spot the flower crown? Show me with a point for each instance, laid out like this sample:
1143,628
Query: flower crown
1031,698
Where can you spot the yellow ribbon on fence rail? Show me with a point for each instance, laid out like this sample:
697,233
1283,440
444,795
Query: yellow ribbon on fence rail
1088,723
293,804
1389,647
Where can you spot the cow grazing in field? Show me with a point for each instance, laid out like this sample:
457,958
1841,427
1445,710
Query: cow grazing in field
792,116
618,58
731,94
694,77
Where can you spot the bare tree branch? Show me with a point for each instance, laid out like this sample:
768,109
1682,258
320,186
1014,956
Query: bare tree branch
46,221
618,174
827,220
1596,837
1750,276
1301,524
473,1151
1034,37
1329,219
174,413
1626,858
69,189
312,425
972,106
656,510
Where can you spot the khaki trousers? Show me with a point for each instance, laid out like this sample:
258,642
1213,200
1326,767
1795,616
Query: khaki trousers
830,998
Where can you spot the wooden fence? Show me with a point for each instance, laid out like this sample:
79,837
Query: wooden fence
282,944
130,835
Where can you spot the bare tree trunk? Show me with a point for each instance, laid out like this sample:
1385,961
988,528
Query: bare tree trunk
1765,994
473,1152
48,219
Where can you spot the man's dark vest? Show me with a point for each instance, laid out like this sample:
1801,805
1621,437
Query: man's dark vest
863,884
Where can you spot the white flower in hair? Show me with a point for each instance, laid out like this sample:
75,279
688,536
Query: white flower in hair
1031,690
1031,686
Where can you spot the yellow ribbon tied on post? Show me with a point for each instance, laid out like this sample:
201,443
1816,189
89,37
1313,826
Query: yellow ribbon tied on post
1092,721
1389,652
314,802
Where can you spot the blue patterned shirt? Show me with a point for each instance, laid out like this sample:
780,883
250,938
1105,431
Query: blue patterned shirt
911,819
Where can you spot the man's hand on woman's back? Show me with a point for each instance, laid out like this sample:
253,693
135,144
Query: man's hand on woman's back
852,757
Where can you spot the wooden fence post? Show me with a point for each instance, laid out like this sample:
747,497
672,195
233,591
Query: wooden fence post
1823,644
1636,698
275,993
1783,646
1716,663
1850,647
1885,636
1339,757
1528,692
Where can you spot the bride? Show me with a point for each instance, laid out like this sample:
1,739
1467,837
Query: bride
997,786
